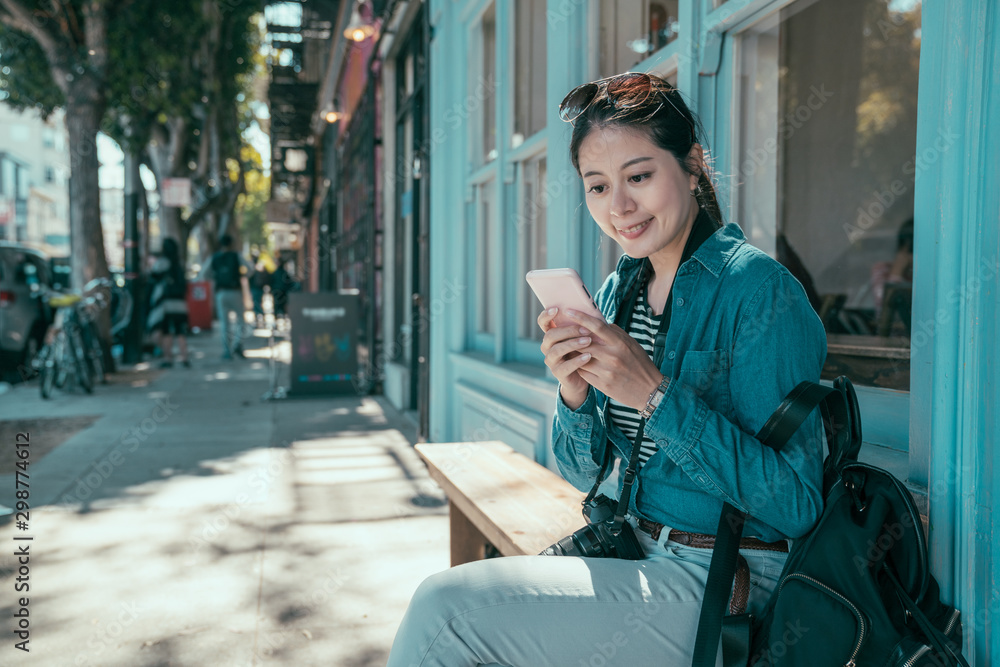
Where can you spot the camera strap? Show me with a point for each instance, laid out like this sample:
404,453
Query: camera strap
659,346
703,229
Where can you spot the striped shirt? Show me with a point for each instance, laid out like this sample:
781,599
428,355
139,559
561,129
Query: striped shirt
643,330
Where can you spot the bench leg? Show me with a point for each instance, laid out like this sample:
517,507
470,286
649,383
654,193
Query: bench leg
467,543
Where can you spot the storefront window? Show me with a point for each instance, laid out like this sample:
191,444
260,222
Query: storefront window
632,31
826,169
531,65
485,256
486,85
530,234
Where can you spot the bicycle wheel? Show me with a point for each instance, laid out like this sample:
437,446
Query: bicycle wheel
95,355
80,365
47,371
60,361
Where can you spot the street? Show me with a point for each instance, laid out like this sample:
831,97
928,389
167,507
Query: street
189,523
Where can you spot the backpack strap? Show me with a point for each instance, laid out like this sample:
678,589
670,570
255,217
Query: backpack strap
777,430
936,638
787,419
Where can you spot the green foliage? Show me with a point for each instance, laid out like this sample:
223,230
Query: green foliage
160,61
252,208
25,78
181,70
151,50
168,64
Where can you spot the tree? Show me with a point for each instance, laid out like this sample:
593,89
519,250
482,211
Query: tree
181,101
176,98
56,54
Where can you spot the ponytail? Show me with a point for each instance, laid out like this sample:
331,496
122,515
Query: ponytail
708,200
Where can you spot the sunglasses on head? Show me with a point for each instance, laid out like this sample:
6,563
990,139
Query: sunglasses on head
624,91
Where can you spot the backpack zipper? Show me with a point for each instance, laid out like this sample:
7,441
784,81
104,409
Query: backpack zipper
862,629
912,660
951,622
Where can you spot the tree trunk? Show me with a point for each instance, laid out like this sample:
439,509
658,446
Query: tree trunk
143,227
83,116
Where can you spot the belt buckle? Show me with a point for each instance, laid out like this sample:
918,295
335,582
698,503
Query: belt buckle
679,537
651,528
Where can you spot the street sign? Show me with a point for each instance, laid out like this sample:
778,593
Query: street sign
176,192
324,342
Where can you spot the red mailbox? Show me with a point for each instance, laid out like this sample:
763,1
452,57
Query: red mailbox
199,301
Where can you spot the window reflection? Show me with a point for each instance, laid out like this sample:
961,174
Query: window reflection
827,147
632,31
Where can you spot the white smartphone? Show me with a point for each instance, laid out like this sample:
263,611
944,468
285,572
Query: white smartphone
563,289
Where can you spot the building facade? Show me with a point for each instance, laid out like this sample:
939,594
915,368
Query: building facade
34,180
852,140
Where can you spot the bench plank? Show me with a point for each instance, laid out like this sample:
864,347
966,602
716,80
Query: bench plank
518,506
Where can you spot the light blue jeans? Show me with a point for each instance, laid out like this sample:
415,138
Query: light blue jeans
230,301
538,611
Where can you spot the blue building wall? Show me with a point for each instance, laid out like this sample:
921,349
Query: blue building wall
487,387
955,426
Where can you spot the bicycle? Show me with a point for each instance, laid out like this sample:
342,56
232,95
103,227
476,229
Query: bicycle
99,294
73,342
64,353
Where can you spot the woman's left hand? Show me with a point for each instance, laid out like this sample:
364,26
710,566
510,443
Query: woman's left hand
618,367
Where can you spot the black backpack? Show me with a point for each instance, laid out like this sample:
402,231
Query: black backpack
226,268
856,590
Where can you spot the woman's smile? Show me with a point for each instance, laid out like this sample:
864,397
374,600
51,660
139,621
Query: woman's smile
635,230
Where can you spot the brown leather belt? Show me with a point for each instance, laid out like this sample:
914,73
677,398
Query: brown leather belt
703,541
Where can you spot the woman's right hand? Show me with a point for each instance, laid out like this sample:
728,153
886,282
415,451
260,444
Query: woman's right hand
565,350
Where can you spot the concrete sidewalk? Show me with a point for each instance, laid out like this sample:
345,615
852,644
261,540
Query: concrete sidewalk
193,524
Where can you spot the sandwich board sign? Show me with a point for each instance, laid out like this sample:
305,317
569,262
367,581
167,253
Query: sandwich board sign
324,342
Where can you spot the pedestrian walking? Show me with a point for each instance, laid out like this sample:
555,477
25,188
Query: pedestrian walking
226,268
282,282
704,336
168,314
258,281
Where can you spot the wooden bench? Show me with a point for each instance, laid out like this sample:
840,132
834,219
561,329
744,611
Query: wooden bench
499,497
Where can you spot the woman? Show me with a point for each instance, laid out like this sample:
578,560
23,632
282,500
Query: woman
738,334
168,304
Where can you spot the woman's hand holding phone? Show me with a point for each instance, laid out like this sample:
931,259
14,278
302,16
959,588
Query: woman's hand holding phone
565,349
593,353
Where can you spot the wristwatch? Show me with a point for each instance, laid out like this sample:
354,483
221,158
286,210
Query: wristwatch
654,398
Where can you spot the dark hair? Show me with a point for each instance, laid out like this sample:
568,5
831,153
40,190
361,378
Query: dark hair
171,250
669,124
225,240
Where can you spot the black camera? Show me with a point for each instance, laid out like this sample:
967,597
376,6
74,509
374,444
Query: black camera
598,539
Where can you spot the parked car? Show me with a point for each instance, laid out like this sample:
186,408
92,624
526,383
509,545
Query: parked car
23,318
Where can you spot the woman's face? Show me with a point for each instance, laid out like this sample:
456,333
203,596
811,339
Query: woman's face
637,192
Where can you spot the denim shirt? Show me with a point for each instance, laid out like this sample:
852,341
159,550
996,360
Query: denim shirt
742,335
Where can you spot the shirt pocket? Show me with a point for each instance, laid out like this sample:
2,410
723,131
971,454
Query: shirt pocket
707,374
